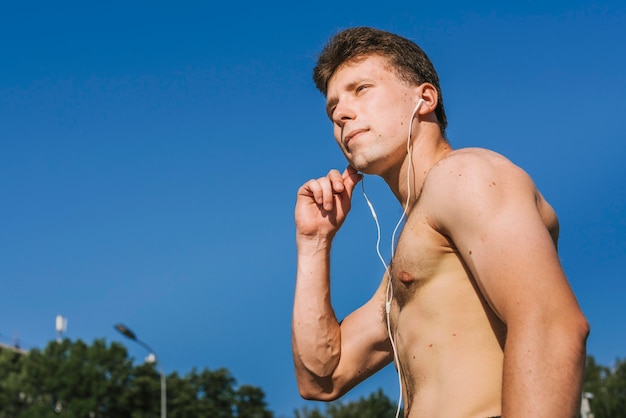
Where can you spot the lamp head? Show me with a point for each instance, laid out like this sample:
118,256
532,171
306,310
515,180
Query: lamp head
122,329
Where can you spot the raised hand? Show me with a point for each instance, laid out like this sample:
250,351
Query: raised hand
322,204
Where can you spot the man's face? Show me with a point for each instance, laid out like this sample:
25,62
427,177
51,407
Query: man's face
370,107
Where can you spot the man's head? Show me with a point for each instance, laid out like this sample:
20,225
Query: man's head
407,58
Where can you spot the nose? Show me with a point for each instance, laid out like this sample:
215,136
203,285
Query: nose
343,112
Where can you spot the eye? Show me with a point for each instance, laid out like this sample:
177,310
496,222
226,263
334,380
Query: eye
362,87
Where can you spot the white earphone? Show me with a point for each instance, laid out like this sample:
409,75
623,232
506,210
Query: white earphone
419,104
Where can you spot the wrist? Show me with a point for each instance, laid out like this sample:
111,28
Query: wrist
313,244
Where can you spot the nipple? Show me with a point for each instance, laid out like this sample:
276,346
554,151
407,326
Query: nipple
405,277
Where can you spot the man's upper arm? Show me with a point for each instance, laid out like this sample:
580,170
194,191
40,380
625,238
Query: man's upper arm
365,346
490,212
365,349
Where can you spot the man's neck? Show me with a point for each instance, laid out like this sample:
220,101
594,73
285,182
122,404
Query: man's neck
406,181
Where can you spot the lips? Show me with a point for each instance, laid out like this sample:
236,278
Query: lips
350,135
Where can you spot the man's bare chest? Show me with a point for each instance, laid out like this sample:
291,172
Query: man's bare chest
422,255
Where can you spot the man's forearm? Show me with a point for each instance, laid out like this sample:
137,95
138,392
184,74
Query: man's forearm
315,329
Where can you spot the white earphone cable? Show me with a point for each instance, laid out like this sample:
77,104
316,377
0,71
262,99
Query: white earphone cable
389,291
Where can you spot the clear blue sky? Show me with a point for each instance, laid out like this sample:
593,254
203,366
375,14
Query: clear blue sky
150,153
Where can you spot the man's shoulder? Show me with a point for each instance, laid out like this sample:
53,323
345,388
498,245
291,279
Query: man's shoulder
473,158
473,179
463,167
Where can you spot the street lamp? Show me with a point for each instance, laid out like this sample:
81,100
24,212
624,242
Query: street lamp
125,331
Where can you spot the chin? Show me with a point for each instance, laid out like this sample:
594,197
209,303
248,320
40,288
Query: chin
358,165
363,164
364,168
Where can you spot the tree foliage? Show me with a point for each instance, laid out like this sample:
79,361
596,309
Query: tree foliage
608,388
376,405
76,380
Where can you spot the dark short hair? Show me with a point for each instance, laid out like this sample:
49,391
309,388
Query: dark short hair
406,57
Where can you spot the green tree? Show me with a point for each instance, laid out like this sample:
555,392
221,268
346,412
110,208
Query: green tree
305,412
617,387
144,390
608,387
11,376
182,398
209,393
216,392
376,405
595,379
250,403
76,380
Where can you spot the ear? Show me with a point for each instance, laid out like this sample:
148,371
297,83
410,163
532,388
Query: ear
428,93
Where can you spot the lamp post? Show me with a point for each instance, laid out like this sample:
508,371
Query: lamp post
125,331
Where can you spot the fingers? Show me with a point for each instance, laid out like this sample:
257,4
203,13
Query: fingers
325,189
351,178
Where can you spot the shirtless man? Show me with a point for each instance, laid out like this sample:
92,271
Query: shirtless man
481,315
